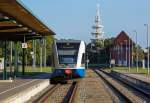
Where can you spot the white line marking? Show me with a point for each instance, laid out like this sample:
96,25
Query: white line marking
18,86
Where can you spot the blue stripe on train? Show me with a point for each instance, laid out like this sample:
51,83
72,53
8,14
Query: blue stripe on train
79,72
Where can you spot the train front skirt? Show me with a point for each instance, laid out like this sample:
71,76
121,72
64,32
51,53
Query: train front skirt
71,73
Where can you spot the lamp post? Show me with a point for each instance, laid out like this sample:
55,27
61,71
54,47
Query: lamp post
129,53
118,54
121,54
147,48
137,69
110,59
132,54
87,61
126,53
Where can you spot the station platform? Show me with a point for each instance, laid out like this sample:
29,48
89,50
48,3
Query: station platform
139,81
142,77
22,89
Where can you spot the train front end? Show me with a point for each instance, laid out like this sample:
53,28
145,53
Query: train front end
69,60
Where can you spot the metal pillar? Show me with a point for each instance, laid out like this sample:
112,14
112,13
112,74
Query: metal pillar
44,52
23,61
110,59
148,71
5,61
26,58
34,53
16,60
41,58
23,58
41,54
11,58
87,61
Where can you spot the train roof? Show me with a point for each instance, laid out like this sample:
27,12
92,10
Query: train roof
68,41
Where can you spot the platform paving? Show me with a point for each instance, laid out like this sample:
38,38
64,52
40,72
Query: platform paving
92,90
8,89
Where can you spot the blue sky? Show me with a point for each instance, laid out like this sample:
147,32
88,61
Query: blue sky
73,19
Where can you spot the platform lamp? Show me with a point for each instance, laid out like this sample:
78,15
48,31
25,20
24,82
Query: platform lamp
146,25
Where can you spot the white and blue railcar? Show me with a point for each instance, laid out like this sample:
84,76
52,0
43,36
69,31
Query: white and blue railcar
69,58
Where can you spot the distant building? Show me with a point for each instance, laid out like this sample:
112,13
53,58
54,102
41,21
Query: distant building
121,50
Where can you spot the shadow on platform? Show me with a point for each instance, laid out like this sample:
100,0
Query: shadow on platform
28,75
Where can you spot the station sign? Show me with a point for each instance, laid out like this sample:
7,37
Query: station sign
87,60
1,63
112,61
24,45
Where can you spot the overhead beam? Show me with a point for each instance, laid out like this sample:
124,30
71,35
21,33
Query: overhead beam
24,33
2,20
14,33
20,38
8,23
8,27
16,30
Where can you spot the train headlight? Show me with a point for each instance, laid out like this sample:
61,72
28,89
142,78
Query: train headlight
68,71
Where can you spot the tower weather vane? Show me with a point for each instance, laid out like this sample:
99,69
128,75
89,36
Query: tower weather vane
97,27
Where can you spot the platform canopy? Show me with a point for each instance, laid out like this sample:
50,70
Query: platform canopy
17,23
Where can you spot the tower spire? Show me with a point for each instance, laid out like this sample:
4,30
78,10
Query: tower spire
97,27
97,18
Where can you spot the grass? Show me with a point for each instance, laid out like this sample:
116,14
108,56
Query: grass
38,69
132,70
98,65
30,71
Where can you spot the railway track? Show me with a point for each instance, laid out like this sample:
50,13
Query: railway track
59,94
124,90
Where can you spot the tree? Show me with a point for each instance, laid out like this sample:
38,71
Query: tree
140,53
108,42
98,52
49,49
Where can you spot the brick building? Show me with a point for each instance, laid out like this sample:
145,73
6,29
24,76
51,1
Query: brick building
121,50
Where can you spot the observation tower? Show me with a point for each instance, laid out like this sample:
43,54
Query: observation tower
97,33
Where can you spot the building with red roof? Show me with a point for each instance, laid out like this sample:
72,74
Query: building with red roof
121,50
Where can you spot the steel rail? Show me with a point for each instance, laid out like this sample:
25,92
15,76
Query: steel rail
114,88
145,93
71,100
44,97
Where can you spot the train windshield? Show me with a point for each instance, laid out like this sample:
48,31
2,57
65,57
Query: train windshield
67,53
67,60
